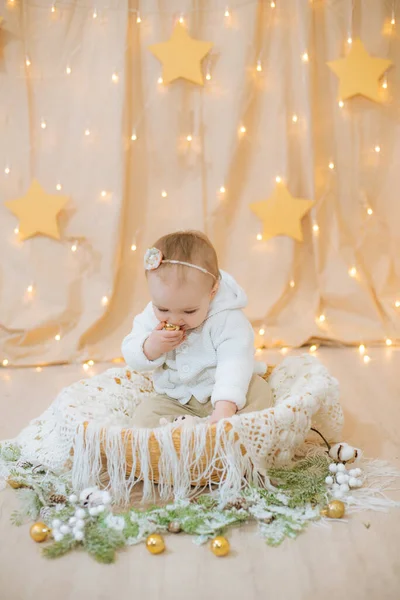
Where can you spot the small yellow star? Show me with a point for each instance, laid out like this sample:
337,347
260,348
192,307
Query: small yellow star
359,73
281,214
37,212
181,56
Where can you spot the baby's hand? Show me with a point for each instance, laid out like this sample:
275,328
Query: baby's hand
160,341
223,410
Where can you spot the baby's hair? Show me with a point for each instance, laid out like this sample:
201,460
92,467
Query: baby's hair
188,246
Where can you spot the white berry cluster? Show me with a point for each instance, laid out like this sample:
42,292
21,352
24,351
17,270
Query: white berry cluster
91,503
342,481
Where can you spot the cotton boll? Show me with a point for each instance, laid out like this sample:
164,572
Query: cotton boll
338,494
57,536
72,520
93,511
346,477
359,483
56,523
356,472
333,468
64,529
78,535
340,478
106,497
344,488
101,508
335,487
353,482
341,468
329,480
80,524
73,498
80,513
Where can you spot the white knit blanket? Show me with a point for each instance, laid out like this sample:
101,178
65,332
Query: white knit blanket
305,396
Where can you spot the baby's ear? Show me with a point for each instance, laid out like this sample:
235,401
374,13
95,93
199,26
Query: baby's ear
214,289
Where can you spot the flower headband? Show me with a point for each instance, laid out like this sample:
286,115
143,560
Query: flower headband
154,257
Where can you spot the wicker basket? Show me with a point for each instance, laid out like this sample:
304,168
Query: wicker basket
154,452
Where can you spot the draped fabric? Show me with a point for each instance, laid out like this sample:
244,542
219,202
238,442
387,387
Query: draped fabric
115,141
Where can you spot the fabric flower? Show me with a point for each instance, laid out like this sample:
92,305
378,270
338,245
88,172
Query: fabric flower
152,259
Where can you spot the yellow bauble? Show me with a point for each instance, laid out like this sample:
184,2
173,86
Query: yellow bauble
170,327
39,532
334,510
155,543
14,484
220,546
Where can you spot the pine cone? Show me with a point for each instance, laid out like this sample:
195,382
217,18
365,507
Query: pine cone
57,499
238,504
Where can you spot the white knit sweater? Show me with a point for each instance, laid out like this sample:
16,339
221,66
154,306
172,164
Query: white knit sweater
216,360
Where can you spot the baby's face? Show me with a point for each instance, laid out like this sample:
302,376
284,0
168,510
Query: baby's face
184,303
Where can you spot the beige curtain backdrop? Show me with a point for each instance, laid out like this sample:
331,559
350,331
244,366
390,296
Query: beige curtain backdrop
115,183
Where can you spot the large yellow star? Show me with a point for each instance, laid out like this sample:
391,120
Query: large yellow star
181,56
37,212
359,73
281,214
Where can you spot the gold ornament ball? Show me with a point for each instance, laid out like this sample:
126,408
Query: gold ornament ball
155,543
174,527
39,532
220,546
14,484
334,510
170,327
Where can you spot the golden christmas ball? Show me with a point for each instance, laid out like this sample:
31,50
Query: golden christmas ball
155,543
220,546
170,327
334,510
39,532
14,484
174,527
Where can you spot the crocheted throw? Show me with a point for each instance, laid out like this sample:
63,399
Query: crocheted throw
93,413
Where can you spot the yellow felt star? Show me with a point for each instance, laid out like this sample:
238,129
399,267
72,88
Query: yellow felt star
281,214
37,212
181,56
359,73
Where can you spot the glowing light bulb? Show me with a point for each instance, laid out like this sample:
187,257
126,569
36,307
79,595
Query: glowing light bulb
164,194
377,148
259,237
384,84
90,363
7,170
243,129
94,15
104,300
74,248
59,187
272,5
261,331
304,57
16,231
138,19
313,348
133,137
57,337
85,367
284,350
397,304
29,289
115,77
259,66
393,21
315,227
38,369
87,132
295,118
181,19
366,358
331,165
292,283
5,362
341,103
68,70
321,318
352,272
227,13
43,124
349,40
53,9
160,80
27,61
189,138
222,189
278,179
370,211
361,349
388,342
133,247
103,193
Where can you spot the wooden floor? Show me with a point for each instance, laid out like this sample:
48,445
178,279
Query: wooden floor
346,560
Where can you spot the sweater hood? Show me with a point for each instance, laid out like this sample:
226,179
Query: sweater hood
230,296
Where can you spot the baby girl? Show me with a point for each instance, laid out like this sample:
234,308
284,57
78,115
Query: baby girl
194,337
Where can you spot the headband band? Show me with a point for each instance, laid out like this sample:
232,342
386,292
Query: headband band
154,257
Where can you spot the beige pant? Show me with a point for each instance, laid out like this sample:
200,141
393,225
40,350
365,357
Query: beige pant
149,412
